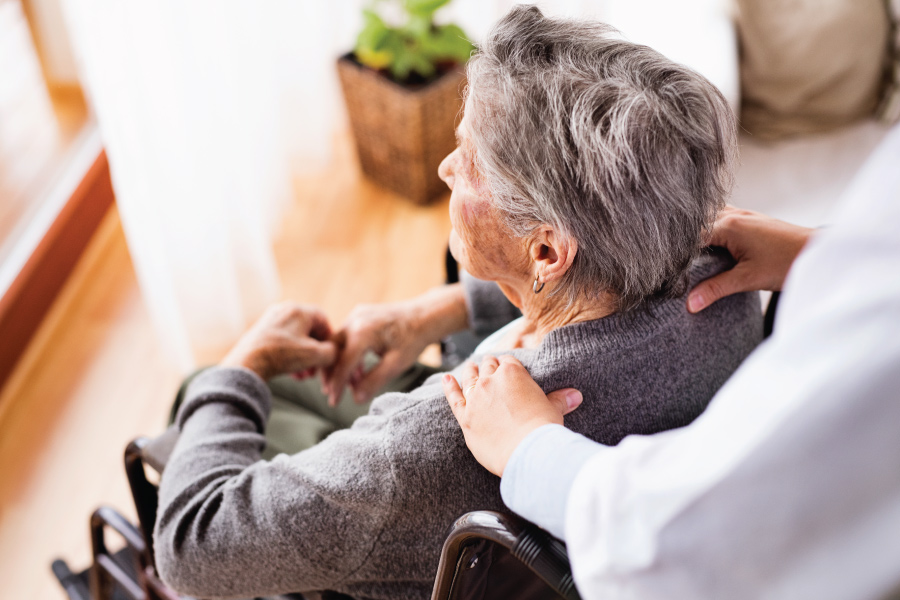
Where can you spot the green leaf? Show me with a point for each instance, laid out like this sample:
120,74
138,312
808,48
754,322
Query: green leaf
415,47
411,60
448,43
422,65
418,26
423,7
401,66
373,33
373,19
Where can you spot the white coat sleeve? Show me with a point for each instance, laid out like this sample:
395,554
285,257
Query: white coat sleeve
539,475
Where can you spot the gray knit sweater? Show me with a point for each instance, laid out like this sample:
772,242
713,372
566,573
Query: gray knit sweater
365,511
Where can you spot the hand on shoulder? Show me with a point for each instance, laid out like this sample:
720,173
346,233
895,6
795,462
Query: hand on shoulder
497,404
764,248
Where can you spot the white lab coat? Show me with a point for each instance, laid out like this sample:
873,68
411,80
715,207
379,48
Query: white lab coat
788,486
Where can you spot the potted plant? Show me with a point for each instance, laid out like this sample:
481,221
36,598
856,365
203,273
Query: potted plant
402,87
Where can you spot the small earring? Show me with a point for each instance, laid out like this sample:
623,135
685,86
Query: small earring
534,286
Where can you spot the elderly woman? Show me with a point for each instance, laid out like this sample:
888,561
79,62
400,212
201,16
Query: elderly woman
587,172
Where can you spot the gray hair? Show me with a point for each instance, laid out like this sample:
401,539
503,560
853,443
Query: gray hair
607,141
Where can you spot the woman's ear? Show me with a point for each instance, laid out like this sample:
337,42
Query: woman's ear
552,253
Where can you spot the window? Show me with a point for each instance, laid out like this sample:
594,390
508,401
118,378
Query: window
48,144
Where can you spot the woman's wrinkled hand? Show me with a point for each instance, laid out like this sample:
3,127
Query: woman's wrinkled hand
398,333
288,338
764,248
498,404
388,330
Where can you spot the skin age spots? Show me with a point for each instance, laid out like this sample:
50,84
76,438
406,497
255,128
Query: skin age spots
481,243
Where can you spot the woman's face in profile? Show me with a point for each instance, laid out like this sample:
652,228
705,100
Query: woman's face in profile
479,241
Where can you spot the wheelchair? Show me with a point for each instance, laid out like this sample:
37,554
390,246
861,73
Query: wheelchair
485,555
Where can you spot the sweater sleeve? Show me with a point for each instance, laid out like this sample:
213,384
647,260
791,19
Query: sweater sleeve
232,525
488,307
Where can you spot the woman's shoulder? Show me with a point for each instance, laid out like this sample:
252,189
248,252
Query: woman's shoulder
731,327
741,313
657,368
421,412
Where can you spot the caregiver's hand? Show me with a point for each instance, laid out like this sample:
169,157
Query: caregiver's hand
398,332
288,338
764,248
499,404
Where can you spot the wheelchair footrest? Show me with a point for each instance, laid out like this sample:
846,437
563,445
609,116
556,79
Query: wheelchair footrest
77,585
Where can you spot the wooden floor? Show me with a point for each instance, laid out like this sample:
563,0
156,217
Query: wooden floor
95,377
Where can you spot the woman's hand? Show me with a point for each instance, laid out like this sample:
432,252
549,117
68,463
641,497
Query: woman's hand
499,404
398,333
764,248
288,338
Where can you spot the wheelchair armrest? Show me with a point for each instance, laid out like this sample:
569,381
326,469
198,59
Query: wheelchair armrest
156,451
153,453
107,569
106,517
543,554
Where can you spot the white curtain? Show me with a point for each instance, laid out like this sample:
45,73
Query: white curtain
207,108
186,98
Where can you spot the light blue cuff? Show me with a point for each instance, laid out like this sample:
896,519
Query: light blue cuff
540,473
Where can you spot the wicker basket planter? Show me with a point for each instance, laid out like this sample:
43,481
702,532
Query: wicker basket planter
402,134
